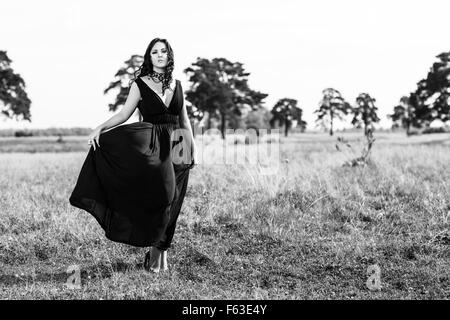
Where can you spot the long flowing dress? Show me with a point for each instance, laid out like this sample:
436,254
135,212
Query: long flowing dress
132,184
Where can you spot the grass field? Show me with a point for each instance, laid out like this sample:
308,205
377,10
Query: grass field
309,232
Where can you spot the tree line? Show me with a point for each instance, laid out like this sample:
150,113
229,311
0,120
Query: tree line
219,93
430,100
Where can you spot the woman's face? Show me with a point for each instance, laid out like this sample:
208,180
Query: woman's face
159,55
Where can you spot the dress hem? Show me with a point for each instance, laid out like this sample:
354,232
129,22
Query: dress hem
76,202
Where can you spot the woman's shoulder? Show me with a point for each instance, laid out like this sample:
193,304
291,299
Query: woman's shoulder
174,83
135,80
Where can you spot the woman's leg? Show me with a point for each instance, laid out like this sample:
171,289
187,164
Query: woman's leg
164,266
165,242
152,261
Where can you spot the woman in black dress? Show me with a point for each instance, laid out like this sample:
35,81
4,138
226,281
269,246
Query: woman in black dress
134,178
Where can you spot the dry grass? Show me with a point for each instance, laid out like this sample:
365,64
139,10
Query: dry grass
309,232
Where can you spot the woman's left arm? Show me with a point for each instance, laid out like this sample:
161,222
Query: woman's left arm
186,124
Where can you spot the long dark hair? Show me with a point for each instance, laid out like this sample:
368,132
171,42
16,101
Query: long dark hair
147,67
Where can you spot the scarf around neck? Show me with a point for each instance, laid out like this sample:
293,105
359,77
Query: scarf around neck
163,77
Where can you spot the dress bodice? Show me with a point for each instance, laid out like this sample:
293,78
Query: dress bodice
152,107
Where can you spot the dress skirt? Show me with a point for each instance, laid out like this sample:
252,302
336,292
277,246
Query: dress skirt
131,184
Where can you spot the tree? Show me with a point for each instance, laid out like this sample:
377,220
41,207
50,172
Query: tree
16,104
402,114
332,106
437,88
219,88
365,112
122,81
258,119
302,125
285,112
412,110
431,99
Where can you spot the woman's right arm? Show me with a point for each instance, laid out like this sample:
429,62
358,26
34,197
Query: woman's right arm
127,110
123,115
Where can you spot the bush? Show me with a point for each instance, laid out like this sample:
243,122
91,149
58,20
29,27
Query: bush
23,133
47,132
414,133
434,130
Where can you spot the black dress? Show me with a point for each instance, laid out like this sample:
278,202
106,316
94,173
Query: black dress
132,183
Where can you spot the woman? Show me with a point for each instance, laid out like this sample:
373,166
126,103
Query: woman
134,178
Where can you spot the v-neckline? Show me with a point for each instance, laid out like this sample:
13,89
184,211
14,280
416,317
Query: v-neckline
160,99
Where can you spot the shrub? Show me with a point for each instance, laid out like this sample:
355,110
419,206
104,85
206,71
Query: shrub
23,133
434,130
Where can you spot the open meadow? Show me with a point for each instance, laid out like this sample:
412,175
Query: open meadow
310,231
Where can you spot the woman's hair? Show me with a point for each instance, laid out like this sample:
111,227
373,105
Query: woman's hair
147,66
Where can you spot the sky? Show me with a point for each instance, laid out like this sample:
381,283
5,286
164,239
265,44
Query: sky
69,51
